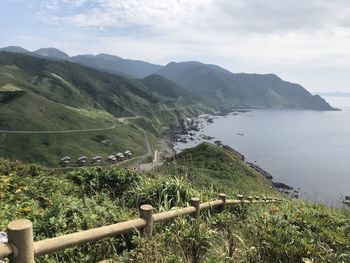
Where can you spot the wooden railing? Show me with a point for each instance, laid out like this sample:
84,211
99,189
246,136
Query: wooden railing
22,249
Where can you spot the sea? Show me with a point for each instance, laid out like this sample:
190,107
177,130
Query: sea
305,149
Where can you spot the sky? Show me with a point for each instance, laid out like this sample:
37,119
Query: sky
306,42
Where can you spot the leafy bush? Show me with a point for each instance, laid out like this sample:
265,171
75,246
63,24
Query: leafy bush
115,181
295,231
163,193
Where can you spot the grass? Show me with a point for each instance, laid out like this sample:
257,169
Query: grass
294,231
58,96
208,165
48,149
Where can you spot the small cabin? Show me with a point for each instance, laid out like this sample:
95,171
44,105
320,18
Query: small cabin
82,161
112,159
65,161
97,160
127,154
120,156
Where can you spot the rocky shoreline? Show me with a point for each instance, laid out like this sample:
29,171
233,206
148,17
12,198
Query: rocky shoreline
188,131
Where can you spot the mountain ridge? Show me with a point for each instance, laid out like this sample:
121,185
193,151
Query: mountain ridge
218,86
212,84
52,53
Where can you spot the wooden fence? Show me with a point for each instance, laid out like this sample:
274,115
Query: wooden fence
21,247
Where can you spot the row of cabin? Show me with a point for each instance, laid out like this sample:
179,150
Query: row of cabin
97,160
119,157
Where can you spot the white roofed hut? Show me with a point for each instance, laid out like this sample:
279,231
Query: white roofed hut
82,161
120,156
97,160
127,154
65,161
112,159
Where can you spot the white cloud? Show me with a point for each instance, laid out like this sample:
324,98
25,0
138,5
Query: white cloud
243,35
219,15
111,14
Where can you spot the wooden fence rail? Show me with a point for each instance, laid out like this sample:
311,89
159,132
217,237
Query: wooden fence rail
21,247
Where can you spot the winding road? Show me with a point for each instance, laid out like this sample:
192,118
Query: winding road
123,121
63,131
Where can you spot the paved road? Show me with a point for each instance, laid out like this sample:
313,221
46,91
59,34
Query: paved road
122,120
148,149
138,159
63,131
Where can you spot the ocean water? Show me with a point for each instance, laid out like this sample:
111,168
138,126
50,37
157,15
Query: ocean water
306,149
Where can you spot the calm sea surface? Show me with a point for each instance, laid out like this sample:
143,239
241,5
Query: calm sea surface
306,149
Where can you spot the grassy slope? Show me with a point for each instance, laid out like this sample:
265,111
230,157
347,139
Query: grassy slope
226,90
78,200
172,93
47,149
43,95
209,165
50,86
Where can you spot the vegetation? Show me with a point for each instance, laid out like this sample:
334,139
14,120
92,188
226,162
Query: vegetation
47,149
208,165
52,94
225,90
47,95
170,91
118,65
295,231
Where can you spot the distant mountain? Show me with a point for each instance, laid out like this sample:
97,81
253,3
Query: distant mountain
220,87
15,49
169,90
52,95
114,64
215,86
52,53
103,62
42,94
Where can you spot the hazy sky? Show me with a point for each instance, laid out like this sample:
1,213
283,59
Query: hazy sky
303,41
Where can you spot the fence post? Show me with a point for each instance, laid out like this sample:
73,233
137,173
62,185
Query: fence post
196,203
20,235
223,198
146,212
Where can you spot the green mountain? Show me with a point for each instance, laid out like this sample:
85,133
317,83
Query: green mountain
52,53
64,86
218,86
46,95
169,90
118,65
211,84
102,62
15,49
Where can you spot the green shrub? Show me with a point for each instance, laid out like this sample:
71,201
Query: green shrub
115,181
163,193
